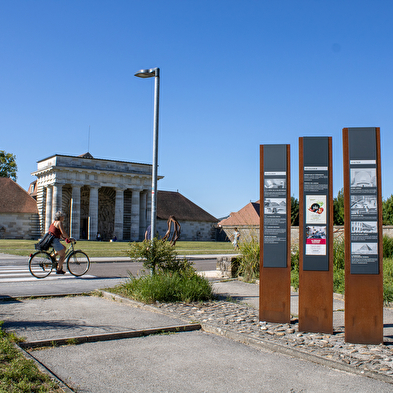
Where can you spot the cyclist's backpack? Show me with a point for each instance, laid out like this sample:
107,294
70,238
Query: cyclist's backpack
45,242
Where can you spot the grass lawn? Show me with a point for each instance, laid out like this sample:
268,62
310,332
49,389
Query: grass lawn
107,249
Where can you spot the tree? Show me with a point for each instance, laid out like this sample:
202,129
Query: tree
8,166
338,208
387,211
294,211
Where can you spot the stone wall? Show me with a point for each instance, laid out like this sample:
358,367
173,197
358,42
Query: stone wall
190,230
247,232
19,226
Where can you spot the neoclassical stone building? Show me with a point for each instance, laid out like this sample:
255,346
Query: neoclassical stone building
109,197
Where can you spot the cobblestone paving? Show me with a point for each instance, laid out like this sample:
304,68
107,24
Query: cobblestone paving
242,319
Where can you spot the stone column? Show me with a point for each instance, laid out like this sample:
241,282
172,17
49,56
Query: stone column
48,210
93,213
143,214
119,213
56,199
41,205
75,212
148,207
135,202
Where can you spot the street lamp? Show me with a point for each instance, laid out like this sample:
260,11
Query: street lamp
153,72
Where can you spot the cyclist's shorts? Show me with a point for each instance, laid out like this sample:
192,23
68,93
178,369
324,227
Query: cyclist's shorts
57,245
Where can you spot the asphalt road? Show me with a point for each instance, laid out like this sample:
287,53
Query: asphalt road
16,280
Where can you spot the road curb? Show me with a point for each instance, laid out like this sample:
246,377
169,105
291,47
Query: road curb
110,336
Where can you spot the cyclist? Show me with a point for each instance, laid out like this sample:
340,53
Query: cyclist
57,230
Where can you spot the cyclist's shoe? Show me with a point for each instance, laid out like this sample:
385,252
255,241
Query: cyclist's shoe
60,272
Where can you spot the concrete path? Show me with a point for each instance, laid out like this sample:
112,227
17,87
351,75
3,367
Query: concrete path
192,361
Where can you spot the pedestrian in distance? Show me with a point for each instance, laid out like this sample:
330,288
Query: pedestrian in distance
236,236
148,233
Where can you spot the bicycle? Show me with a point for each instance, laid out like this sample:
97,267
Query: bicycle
41,263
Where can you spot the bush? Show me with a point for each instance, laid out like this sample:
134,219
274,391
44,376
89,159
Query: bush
388,280
166,287
249,260
387,246
159,256
172,279
295,267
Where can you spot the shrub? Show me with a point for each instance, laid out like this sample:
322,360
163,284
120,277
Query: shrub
295,267
388,280
159,256
338,253
249,259
166,287
387,246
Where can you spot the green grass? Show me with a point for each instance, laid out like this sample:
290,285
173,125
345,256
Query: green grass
166,287
115,249
18,374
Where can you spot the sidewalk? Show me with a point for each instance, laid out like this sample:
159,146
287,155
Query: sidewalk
192,360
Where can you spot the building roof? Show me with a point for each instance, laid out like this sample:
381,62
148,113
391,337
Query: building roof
89,156
14,199
248,215
171,203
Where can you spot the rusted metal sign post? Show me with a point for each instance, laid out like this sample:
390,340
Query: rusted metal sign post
275,234
315,235
363,236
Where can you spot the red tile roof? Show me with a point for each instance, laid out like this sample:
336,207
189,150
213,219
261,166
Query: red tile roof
14,199
174,204
248,215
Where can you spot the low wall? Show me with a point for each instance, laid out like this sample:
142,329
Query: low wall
252,231
190,230
19,226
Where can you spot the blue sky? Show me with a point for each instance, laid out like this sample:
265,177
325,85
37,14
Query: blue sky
234,74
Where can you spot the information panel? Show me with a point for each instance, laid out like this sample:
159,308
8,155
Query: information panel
363,235
362,152
275,206
315,203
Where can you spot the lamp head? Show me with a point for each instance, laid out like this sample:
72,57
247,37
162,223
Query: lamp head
148,73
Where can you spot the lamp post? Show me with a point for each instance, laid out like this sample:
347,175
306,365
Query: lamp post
153,72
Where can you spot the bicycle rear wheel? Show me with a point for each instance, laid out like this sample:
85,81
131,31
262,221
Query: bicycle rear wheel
78,263
40,264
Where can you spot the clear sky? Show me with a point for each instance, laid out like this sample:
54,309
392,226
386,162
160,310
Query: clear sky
234,74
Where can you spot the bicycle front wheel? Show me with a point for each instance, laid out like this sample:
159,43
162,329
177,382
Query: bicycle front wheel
40,264
78,263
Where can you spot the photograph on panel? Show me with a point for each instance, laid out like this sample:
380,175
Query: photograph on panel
316,209
364,248
316,232
275,206
275,183
364,227
363,177
363,205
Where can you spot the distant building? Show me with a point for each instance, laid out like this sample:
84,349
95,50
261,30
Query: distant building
18,212
97,196
112,198
196,223
246,220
